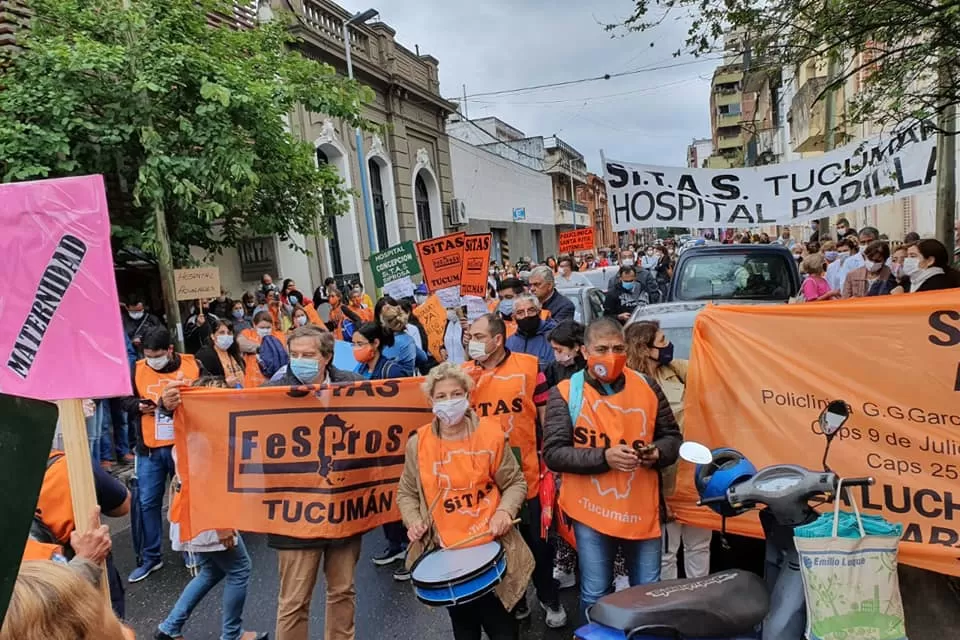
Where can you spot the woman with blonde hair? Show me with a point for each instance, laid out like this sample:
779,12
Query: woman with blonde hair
449,459
815,285
651,353
51,601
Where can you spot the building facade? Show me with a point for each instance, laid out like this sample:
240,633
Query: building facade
598,211
406,171
509,200
698,152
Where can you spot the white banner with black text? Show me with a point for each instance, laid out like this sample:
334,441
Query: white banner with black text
896,164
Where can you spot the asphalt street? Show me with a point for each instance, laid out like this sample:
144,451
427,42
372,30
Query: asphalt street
385,608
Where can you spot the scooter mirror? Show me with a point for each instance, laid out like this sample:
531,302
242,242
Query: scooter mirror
696,453
833,417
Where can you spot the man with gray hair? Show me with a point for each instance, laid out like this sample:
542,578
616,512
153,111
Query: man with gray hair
543,285
311,362
532,331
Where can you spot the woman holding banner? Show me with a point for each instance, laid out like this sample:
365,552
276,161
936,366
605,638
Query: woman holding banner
454,442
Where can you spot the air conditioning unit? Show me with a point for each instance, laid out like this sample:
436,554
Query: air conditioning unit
458,212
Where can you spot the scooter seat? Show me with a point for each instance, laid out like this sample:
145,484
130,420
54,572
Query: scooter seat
722,604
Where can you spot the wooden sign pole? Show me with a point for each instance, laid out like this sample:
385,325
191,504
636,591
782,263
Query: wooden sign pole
80,471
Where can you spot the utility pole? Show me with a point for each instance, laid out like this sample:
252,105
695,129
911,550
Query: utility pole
573,197
466,114
946,164
168,285
830,135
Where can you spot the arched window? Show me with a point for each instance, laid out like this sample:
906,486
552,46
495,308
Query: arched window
424,225
336,261
379,206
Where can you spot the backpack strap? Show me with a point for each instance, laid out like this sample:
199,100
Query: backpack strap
575,401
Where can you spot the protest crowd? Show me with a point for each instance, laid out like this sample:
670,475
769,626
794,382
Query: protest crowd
535,464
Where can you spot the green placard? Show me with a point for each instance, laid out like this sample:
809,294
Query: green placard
26,432
399,261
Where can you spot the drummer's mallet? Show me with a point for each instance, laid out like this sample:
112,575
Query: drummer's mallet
476,536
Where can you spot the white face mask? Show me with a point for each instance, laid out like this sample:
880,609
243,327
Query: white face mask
564,359
843,254
872,266
301,320
135,315
224,342
158,363
627,262
477,350
451,412
263,332
911,266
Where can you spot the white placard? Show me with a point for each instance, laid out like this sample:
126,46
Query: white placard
402,288
449,297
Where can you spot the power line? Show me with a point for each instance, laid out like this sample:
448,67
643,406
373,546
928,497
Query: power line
587,98
566,83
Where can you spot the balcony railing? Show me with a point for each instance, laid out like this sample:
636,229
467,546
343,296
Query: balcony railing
567,205
729,142
566,218
330,25
728,120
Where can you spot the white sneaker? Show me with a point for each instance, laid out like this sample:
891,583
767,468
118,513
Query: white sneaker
620,583
556,618
565,579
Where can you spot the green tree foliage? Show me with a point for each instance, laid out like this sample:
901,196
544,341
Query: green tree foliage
893,46
176,114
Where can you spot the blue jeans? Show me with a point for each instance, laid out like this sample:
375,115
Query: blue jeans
232,565
152,472
121,428
105,422
597,552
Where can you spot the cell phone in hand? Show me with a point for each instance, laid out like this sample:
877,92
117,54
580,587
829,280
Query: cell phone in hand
642,448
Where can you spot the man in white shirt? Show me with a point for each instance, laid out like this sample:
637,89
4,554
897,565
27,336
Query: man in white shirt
567,277
867,235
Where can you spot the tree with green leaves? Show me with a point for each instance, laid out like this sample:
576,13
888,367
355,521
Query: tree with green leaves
185,116
895,46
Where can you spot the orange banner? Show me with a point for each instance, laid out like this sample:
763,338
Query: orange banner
760,376
476,264
577,240
309,462
442,260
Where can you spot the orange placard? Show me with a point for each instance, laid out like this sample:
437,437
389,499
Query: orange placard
577,240
433,317
309,462
441,260
755,385
476,264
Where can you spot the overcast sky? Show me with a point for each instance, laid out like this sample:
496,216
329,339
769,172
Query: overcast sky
648,117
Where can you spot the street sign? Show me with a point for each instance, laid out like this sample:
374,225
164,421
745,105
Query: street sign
519,214
395,263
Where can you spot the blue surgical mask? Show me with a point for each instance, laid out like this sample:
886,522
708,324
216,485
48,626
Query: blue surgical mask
238,314
305,369
506,306
831,255
628,285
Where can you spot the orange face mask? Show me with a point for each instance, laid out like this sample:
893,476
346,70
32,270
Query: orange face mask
608,367
364,353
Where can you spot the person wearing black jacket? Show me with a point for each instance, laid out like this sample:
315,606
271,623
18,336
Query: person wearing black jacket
625,431
311,362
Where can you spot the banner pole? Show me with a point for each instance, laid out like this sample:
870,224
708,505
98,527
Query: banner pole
603,174
83,495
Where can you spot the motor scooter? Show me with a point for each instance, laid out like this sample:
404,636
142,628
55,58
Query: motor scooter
734,604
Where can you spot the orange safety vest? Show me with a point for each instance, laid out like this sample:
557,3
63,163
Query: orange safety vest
458,477
150,385
507,393
36,550
615,503
54,509
252,376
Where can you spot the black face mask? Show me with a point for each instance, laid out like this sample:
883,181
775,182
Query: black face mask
528,326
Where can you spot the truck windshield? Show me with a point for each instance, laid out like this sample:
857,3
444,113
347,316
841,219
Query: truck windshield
727,275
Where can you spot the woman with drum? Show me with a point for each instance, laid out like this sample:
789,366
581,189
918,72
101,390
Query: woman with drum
460,491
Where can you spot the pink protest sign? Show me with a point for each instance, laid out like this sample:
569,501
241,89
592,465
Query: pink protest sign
60,330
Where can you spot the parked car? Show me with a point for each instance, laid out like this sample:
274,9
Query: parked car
588,302
721,274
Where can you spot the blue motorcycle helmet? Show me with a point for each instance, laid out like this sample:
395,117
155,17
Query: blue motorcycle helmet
728,468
